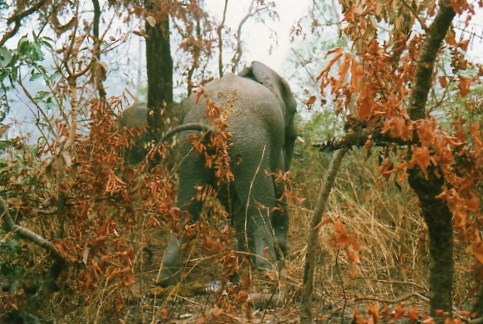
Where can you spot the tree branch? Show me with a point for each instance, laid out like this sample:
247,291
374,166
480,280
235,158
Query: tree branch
306,303
424,69
238,53
437,215
25,233
17,19
359,139
220,41
98,73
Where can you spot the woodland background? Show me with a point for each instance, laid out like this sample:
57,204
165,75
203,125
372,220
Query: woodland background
387,231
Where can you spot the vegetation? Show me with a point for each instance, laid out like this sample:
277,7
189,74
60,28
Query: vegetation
393,234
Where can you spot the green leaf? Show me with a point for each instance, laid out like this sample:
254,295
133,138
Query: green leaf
23,45
5,56
35,75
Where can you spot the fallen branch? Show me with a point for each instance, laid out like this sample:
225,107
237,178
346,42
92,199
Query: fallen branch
393,301
25,233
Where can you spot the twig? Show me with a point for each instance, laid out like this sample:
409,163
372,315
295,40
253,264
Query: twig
393,301
360,138
220,40
383,301
25,233
17,18
238,52
394,282
306,303
415,15
97,73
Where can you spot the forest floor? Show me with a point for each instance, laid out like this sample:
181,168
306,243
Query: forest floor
381,276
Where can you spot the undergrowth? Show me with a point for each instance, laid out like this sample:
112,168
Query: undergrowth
388,266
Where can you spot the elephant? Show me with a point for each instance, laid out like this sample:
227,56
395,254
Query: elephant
136,117
259,110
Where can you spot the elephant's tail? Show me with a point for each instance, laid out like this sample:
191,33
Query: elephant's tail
185,127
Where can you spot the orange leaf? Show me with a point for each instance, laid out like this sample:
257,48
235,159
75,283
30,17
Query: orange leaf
443,81
364,104
324,221
478,252
357,72
165,314
373,310
344,67
398,127
421,158
342,239
413,315
450,38
354,256
464,85
386,168
338,53
426,132
398,312
476,133
464,44
3,130
310,101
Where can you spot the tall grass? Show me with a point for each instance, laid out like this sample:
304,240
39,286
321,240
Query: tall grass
384,217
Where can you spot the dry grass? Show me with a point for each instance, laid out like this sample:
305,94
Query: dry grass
383,218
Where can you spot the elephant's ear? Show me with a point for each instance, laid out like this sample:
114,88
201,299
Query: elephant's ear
264,75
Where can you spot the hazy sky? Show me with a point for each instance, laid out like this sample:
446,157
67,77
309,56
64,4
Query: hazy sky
256,36
259,44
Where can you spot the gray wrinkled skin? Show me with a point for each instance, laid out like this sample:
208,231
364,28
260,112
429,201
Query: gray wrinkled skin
258,108
136,117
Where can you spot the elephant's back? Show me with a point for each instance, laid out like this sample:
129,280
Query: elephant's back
254,117
245,105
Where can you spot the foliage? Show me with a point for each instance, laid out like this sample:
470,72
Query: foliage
109,220
372,87
382,90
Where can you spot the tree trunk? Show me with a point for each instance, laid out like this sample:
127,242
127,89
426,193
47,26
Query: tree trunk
308,280
436,213
159,66
438,219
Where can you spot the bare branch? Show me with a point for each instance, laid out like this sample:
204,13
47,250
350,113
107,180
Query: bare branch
308,281
238,53
220,40
17,19
25,233
360,138
424,70
40,109
97,73
27,12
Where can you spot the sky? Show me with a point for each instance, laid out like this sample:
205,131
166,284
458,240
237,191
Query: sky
259,44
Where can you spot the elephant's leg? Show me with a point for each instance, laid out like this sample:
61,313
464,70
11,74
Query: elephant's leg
280,220
255,201
172,261
192,173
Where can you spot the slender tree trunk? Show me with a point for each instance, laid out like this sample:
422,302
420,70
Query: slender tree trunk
159,66
308,280
435,212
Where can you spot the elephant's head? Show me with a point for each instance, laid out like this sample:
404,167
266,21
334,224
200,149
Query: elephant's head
261,73
135,117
